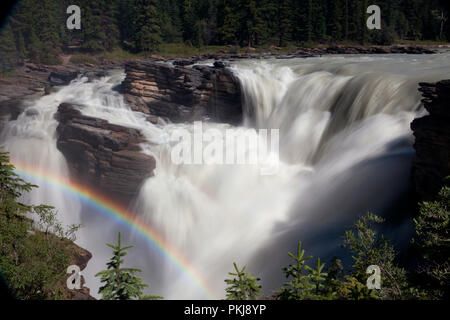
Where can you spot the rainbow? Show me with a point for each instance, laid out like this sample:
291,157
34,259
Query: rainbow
120,213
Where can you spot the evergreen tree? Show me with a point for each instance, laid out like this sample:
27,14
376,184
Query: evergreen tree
432,227
317,276
300,286
125,25
304,20
34,255
8,51
229,18
121,283
93,34
108,20
334,278
369,249
170,22
284,22
147,32
252,24
318,17
243,286
335,18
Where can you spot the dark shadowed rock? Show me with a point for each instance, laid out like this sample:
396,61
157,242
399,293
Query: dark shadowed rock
431,163
221,64
184,62
106,155
62,77
183,94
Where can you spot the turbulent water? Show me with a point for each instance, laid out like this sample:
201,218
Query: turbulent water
345,148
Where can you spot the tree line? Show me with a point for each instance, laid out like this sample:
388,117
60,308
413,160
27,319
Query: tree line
37,30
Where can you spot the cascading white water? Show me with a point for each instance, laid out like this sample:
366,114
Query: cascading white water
345,148
31,141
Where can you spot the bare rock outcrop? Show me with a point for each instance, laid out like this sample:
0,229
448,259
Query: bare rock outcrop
105,155
183,94
431,163
80,257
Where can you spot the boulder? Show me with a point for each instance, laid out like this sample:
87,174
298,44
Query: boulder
105,155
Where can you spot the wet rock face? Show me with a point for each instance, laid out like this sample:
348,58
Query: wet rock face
431,163
183,94
102,154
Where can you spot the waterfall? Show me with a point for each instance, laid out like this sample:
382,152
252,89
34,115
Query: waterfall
345,148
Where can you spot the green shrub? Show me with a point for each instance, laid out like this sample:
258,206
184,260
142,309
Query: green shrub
433,241
121,283
33,260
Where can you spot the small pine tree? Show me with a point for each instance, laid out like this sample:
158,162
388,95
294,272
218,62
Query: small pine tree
335,274
317,276
300,286
12,187
243,286
121,283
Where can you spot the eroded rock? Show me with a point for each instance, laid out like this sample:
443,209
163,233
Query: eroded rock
105,155
183,94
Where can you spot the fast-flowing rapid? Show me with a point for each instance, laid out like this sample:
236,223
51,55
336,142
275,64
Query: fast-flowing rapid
345,147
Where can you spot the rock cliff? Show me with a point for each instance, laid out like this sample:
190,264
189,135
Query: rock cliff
431,163
101,154
183,94
80,257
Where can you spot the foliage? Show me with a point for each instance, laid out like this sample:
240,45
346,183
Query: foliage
8,50
121,283
243,286
32,258
307,282
433,240
37,30
49,224
353,289
369,249
146,29
299,286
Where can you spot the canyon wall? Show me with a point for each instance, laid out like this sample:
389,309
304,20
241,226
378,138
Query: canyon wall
431,163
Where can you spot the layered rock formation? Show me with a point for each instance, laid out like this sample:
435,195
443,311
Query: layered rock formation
183,94
102,154
431,163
